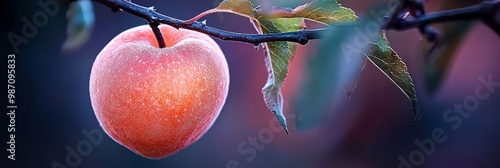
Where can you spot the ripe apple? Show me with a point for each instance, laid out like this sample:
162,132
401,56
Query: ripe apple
157,101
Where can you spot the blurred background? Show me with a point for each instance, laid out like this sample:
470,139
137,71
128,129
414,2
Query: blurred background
371,129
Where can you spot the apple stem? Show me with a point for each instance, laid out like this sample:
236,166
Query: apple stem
159,37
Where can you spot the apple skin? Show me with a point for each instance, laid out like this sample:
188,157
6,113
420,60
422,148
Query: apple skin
157,101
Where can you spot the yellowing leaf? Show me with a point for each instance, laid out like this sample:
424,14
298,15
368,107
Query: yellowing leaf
278,57
324,11
240,7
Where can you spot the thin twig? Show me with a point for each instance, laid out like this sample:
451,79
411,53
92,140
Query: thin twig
479,11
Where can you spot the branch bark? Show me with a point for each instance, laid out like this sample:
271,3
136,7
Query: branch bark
482,11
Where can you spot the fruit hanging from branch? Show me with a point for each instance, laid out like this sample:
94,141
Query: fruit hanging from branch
157,101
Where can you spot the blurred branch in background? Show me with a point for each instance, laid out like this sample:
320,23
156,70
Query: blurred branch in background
483,10
454,34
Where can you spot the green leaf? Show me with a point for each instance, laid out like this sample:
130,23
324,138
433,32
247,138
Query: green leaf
278,57
388,61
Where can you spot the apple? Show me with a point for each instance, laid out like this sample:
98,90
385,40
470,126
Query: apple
157,101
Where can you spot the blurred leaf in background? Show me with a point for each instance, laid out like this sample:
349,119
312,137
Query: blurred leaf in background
339,58
80,24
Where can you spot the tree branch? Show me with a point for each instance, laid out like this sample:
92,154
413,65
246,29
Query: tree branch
480,11
301,37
